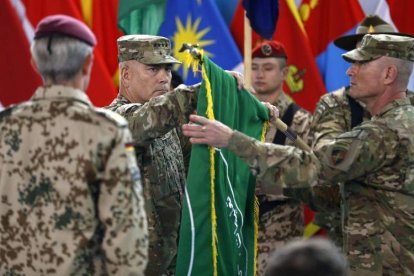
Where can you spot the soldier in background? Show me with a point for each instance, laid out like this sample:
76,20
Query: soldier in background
69,183
378,155
337,112
280,217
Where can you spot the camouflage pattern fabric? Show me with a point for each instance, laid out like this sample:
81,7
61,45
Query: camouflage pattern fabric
284,221
331,118
160,158
374,46
147,49
378,204
71,196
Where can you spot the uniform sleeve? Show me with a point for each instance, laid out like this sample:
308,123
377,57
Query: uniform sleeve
274,164
358,152
121,211
328,123
161,114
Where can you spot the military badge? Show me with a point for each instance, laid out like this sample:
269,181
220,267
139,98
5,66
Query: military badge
266,49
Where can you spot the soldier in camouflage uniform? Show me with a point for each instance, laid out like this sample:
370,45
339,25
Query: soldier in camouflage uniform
337,113
377,155
153,116
281,218
71,195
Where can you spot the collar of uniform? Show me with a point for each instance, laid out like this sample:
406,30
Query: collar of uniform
121,99
60,92
394,104
358,101
282,103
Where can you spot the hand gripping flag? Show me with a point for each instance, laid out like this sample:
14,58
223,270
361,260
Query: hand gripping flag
218,228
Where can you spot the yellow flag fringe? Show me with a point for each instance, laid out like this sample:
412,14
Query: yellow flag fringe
191,61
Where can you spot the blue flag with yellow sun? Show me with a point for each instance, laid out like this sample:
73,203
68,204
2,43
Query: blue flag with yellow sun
199,22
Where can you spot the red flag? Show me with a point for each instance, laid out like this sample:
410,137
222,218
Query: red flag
17,76
401,13
304,83
105,27
325,20
101,88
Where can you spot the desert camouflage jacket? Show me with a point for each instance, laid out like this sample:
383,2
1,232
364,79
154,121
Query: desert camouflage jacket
156,128
71,196
378,156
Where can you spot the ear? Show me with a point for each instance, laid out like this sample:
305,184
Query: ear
87,65
390,74
124,74
285,71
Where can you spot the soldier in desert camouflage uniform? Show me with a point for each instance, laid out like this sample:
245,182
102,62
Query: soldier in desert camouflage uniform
71,196
378,157
281,218
336,113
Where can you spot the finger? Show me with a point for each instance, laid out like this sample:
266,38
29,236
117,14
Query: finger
199,119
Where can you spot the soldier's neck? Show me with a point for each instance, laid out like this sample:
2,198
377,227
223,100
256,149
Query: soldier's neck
270,97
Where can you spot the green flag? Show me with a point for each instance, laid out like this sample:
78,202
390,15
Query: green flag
217,235
141,16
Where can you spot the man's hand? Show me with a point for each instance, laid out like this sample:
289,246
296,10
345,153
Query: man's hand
204,131
274,112
239,78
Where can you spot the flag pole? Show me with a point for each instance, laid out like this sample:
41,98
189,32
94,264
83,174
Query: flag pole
247,52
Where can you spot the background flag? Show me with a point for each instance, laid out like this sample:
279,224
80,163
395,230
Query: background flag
17,76
199,22
324,21
141,16
263,15
101,88
217,235
304,83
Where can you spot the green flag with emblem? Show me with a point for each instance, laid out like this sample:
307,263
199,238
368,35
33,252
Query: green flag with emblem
218,227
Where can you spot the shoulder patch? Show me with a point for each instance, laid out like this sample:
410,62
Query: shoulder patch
112,117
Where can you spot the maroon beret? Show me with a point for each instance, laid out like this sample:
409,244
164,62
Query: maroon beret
269,48
64,25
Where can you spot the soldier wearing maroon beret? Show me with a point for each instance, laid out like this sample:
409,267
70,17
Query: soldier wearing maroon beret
70,186
281,217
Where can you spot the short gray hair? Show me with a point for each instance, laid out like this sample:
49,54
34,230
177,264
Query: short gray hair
405,69
59,58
